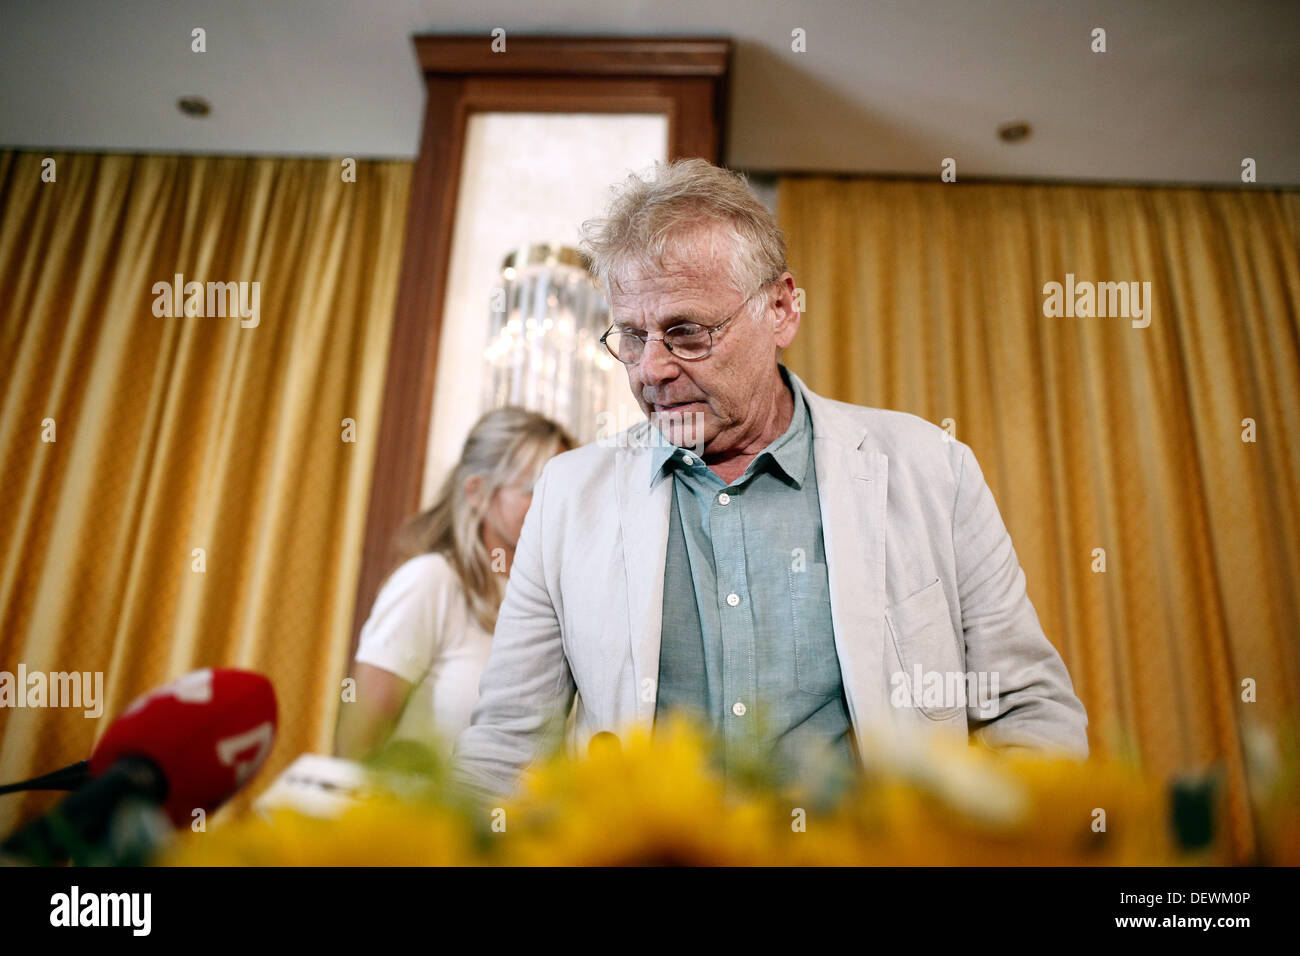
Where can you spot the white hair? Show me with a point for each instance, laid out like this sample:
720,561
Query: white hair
647,217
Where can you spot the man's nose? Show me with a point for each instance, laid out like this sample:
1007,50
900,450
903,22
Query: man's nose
657,363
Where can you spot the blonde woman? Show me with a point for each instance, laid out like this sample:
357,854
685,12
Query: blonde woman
426,642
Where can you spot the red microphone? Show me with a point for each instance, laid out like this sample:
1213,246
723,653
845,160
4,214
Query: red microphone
186,746
207,732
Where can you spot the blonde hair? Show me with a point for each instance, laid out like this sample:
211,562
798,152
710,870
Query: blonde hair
646,215
507,446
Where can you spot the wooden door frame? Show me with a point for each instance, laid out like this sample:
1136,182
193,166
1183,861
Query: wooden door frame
684,78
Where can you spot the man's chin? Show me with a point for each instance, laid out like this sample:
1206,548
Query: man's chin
683,429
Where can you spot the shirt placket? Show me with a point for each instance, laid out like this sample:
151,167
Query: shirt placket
736,624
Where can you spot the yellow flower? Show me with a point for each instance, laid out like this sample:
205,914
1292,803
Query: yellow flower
655,798
946,804
648,800
380,832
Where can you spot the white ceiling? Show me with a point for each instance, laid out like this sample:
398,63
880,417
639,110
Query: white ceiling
1187,89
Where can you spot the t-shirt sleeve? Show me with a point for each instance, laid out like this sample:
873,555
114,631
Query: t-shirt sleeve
403,633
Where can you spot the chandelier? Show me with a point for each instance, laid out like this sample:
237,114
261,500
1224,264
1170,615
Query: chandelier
544,352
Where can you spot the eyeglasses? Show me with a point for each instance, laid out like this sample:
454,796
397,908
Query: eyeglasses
690,340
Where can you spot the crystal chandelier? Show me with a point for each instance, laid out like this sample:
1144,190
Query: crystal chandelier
544,352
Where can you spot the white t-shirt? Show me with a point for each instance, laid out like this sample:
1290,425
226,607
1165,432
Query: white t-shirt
422,630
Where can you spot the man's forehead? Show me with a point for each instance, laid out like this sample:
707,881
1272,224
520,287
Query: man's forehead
666,301
699,255
680,271
660,295
667,284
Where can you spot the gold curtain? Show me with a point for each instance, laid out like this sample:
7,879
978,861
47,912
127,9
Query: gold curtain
178,434
1095,434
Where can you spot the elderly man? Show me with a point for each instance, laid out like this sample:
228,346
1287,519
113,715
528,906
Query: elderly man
803,575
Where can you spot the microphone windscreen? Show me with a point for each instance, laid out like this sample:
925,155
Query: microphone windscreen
207,732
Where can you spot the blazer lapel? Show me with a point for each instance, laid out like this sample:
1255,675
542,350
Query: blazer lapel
852,484
643,517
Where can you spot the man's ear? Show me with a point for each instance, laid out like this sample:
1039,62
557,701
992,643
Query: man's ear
786,309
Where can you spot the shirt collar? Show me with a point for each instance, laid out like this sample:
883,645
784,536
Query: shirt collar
789,452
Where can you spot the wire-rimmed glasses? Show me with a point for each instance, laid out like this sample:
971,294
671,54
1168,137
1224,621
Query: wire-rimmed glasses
687,340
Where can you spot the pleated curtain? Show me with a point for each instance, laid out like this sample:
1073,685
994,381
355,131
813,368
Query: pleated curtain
200,503
1149,476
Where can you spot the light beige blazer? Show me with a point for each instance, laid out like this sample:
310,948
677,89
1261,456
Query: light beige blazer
923,581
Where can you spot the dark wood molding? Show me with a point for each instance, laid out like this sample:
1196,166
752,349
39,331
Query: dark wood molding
683,78
587,56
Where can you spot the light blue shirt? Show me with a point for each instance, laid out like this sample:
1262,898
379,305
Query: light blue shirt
747,644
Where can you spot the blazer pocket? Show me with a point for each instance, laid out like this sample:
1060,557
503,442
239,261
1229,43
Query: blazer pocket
921,628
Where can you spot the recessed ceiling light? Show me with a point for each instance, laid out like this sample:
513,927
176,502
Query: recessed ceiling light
195,106
1014,131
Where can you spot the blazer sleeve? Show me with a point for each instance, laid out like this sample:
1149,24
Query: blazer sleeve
527,688
1036,705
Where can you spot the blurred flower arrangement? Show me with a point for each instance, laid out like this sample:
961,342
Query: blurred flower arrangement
655,800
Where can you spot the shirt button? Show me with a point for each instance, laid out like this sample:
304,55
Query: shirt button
724,499
733,599
738,708
688,460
